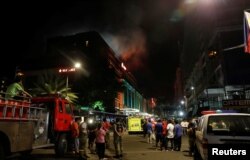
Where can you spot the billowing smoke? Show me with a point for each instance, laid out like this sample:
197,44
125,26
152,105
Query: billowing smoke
130,47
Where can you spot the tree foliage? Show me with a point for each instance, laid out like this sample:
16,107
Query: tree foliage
51,83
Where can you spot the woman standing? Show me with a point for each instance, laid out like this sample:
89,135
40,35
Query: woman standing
100,141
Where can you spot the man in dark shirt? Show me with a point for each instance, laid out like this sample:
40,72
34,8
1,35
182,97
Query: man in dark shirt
158,133
177,136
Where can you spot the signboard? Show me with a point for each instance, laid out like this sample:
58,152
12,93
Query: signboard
66,70
134,124
240,103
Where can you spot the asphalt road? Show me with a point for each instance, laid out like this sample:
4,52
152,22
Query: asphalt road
135,148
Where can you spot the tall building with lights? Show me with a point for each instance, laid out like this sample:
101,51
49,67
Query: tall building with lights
213,59
102,77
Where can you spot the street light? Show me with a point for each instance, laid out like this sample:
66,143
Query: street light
192,88
182,102
193,91
77,65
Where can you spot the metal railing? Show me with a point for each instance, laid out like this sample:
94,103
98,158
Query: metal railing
13,109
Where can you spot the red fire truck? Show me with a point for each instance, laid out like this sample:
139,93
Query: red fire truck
29,124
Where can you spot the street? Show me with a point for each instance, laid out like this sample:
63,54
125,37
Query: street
135,148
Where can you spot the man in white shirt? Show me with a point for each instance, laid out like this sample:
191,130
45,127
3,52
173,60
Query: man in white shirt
184,125
170,134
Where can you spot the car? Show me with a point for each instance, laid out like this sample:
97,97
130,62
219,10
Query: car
220,132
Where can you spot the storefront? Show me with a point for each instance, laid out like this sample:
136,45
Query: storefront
242,105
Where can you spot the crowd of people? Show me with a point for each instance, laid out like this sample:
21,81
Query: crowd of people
96,137
167,134
164,134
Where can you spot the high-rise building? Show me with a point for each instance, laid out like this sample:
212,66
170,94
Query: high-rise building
213,60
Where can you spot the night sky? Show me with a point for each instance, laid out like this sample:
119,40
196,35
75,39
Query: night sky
145,34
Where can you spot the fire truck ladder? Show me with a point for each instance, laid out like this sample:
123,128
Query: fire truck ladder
18,110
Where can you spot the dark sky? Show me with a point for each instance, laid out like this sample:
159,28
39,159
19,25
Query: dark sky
145,33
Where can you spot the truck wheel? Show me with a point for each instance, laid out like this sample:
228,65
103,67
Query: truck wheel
2,155
61,145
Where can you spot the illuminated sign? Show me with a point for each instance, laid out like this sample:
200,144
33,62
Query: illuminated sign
65,70
227,103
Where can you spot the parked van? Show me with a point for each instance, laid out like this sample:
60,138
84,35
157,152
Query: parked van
222,133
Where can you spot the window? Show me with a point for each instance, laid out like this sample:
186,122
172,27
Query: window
68,108
229,125
60,107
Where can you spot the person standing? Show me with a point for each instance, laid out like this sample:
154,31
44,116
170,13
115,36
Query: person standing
144,126
191,137
170,134
149,131
184,125
100,141
75,134
83,139
164,134
118,133
92,127
177,136
106,126
158,133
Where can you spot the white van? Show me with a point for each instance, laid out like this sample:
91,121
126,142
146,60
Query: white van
220,135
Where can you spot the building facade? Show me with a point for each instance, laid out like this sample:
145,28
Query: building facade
102,77
217,76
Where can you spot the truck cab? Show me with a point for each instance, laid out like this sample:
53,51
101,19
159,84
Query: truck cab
53,127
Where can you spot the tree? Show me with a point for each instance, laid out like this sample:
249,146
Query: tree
51,83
